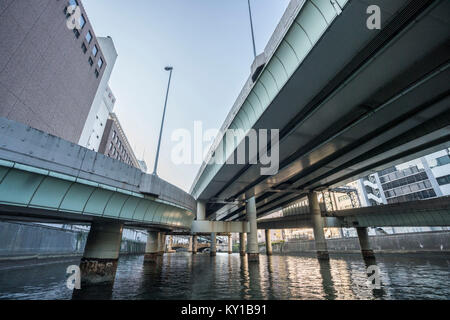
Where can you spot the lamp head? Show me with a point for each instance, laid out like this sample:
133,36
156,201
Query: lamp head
168,68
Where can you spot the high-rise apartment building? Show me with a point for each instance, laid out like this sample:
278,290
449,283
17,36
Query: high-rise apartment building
49,71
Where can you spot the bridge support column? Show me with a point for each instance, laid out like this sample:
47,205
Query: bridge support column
201,210
101,254
161,243
364,243
151,248
213,250
242,240
268,242
169,245
230,244
253,251
194,245
190,245
318,225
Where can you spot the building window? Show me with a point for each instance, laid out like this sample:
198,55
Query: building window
91,62
387,171
443,180
89,37
442,161
100,63
96,73
83,47
114,134
110,146
82,22
77,33
95,50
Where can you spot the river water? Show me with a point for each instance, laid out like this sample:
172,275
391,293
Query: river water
185,276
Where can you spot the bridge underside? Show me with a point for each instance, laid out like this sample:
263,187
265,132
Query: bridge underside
359,101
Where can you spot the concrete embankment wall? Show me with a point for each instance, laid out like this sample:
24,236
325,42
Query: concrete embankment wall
25,241
436,241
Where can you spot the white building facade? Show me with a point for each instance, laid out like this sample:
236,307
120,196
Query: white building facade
104,100
98,127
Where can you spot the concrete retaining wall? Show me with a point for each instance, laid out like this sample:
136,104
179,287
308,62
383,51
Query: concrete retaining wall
436,241
27,240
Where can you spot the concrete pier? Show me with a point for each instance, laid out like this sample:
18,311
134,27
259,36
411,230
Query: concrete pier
268,243
318,225
151,248
190,244
242,240
213,250
230,244
101,254
194,244
169,245
253,251
201,210
161,243
201,214
364,243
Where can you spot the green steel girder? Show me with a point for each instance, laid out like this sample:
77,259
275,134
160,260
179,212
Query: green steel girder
29,187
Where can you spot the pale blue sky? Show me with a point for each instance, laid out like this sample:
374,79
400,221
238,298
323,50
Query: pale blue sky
208,42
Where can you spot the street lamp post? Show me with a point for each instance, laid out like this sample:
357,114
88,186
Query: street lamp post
170,69
251,26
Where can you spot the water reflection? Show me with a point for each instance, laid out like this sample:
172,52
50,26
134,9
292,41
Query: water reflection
186,276
327,279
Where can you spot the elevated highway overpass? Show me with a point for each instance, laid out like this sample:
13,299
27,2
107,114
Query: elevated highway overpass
46,179
347,101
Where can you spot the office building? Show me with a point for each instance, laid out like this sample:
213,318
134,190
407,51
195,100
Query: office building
420,179
142,165
115,144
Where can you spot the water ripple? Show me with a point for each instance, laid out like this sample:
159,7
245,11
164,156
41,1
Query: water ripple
183,276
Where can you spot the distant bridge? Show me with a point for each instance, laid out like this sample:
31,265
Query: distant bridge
432,212
200,246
